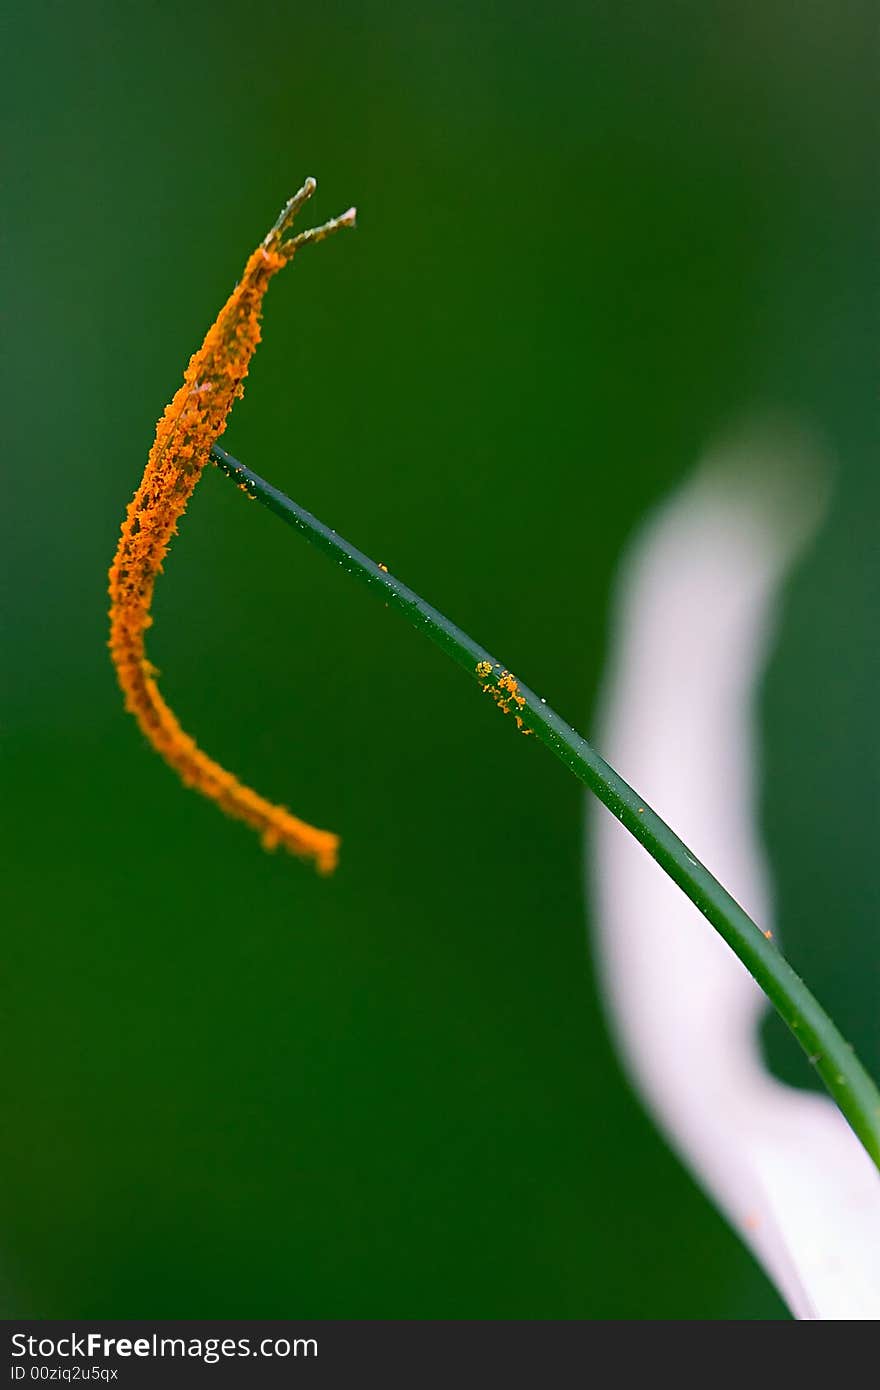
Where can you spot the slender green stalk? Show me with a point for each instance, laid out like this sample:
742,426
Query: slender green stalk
843,1074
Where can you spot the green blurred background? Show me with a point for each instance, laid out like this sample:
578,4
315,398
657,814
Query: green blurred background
591,236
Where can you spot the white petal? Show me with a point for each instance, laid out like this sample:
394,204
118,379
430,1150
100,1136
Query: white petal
694,617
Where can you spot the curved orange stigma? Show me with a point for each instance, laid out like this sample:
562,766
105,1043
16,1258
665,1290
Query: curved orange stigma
195,418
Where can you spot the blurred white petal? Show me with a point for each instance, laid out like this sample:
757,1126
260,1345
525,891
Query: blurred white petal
694,616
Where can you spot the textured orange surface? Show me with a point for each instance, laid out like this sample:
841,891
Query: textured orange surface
195,418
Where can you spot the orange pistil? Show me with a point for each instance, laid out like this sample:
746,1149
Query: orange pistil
195,418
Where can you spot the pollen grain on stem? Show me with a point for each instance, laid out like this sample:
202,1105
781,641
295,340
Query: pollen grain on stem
190,425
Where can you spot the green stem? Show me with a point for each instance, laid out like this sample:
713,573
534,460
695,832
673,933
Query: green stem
843,1074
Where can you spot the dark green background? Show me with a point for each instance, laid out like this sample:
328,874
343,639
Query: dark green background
591,236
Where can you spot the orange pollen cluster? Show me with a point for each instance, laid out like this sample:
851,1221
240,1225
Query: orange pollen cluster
195,418
505,693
